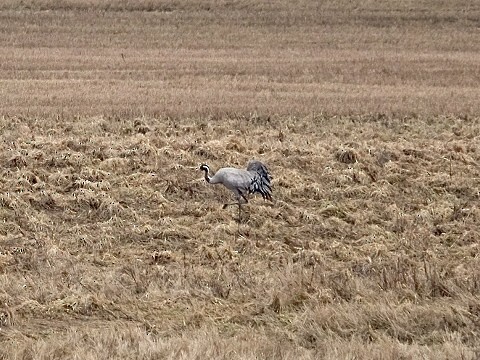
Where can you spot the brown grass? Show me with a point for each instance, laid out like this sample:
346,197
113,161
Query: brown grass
203,58
112,245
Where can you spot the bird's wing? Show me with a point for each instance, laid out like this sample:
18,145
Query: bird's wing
256,165
260,179
236,180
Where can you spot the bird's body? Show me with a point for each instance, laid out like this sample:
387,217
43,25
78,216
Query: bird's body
233,179
255,179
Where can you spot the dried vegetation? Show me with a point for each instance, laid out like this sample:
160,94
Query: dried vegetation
112,245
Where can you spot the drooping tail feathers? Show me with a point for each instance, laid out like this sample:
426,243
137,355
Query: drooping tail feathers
261,179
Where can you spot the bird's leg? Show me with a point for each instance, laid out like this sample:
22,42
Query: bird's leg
239,203
240,208
236,203
239,217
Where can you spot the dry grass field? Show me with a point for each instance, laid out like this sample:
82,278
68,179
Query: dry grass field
112,246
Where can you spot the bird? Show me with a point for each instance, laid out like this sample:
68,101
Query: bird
255,179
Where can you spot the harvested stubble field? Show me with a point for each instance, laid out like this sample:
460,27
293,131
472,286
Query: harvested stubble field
111,243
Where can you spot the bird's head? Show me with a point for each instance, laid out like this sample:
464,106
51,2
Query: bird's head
204,167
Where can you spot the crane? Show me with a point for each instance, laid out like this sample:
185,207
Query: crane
255,179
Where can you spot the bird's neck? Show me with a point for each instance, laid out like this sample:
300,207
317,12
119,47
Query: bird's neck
207,177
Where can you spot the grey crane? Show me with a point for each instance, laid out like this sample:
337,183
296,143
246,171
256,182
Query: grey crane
255,179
